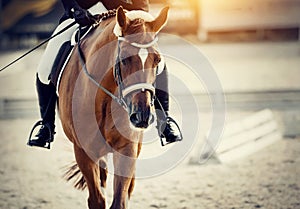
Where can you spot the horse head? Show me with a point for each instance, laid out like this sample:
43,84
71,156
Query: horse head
137,62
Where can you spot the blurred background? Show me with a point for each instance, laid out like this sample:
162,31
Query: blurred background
254,48
33,19
22,21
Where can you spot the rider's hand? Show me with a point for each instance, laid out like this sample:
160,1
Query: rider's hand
82,16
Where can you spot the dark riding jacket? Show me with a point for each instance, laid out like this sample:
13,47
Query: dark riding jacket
109,4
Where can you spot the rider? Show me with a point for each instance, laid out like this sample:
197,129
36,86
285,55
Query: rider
77,9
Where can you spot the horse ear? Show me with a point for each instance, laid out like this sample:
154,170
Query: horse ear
160,21
121,17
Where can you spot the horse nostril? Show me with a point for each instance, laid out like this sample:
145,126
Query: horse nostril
135,118
141,119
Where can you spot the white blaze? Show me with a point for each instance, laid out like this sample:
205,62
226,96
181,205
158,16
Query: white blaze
143,54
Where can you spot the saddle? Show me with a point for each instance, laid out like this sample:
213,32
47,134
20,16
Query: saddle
64,53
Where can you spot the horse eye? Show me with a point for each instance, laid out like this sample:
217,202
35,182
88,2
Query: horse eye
124,61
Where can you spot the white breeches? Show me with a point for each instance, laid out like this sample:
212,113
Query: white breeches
48,58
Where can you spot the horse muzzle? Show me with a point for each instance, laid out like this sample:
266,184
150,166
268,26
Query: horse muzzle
139,109
141,118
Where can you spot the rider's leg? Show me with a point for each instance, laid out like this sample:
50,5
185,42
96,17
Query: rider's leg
48,58
166,125
46,90
47,100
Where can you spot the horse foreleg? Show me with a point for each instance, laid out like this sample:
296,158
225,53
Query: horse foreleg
103,173
131,187
124,167
132,183
91,173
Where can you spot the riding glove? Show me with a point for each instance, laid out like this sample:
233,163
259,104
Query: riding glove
81,16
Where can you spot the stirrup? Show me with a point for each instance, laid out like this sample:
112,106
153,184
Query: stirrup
163,139
48,141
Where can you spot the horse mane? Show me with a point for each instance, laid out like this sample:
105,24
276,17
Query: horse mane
138,31
137,26
137,18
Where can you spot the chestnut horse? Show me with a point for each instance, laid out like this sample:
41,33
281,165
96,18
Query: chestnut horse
106,100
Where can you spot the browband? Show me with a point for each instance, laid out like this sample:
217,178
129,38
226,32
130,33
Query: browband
138,45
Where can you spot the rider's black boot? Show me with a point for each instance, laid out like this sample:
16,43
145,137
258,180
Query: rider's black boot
166,126
47,102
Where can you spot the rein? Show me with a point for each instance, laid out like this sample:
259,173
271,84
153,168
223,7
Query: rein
119,99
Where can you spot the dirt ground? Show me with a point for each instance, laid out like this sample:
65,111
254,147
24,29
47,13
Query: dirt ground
31,178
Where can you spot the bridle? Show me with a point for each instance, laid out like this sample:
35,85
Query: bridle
126,90
123,90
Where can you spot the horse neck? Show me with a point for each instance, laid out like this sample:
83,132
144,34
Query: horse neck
101,50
